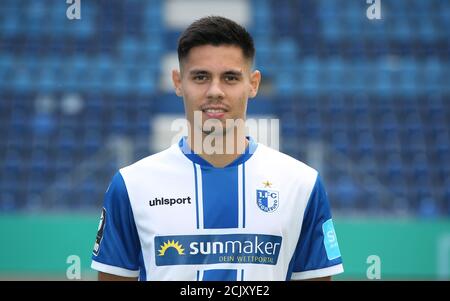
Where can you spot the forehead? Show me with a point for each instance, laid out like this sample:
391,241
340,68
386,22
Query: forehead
215,58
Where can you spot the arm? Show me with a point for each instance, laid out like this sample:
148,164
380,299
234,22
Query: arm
110,277
317,254
117,248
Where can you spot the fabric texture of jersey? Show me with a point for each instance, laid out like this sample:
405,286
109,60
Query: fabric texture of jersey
173,216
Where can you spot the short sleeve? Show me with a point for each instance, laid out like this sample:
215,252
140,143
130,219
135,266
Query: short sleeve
117,247
317,253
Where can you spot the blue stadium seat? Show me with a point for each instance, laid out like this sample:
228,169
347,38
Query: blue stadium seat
67,141
43,124
8,202
120,82
21,80
92,142
286,84
146,82
11,25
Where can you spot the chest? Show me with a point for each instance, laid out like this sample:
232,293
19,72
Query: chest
237,200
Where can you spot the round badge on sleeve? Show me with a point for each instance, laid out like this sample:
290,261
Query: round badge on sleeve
101,228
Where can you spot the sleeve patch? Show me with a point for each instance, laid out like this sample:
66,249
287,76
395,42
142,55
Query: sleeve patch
330,240
101,228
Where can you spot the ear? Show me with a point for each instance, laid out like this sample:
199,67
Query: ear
255,79
176,79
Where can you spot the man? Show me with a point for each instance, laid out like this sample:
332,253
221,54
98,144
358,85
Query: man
217,205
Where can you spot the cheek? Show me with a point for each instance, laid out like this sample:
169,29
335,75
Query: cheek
239,102
193,94
245,91
243,97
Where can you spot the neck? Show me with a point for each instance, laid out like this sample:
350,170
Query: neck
220,150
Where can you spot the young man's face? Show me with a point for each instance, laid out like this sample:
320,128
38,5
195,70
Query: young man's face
217,82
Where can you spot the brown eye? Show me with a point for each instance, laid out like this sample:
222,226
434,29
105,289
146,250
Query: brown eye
200,78
231,78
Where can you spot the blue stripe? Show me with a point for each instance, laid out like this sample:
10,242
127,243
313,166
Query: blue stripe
242,275
142,271
220,197
220,275
243,195
198,275
196,194
290,268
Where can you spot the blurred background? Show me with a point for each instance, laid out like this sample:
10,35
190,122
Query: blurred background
364,101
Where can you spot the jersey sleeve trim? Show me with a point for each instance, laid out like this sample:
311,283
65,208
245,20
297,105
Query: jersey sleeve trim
329,271
110,269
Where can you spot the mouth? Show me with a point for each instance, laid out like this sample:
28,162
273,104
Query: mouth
214,112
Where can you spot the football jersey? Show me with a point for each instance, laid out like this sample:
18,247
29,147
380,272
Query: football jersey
174,216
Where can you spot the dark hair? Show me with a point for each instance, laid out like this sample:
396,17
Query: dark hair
214,30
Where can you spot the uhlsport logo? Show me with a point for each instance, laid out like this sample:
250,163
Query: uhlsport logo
267,200
169,201
217,248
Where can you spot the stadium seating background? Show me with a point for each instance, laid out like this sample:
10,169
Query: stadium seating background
371,96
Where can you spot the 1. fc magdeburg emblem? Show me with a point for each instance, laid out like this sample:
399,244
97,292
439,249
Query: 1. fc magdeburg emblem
267,200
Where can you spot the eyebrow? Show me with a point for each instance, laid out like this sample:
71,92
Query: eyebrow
233,72
198,71
228,72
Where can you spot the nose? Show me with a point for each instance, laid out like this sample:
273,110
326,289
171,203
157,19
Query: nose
215,91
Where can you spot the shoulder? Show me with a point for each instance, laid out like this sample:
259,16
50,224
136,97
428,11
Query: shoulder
294,174
283,162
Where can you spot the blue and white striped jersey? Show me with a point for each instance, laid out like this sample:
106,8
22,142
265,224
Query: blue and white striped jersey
173,216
